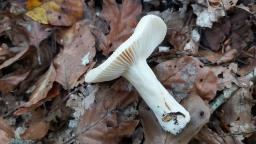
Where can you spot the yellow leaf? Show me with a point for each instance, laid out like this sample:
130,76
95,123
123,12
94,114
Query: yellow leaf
39,14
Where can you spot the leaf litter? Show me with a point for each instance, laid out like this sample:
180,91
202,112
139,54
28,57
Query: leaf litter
207,61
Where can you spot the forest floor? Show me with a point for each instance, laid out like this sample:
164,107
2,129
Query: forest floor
207,61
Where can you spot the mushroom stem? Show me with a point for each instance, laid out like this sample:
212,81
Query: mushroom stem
170,114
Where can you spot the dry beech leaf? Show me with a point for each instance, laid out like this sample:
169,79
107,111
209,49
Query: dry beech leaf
58,12
187,75
226,75
78,43
228,56
5,53
116,124
6,132
5,24
43,86
10,81
36,32
210,56
6,128
206,135
14,58
200,114
122,20
38,127
247,68
53,92
237,113
4,138
37,130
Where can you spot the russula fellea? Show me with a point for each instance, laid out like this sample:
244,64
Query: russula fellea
129,61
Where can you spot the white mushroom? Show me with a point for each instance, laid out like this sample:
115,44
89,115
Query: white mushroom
129,61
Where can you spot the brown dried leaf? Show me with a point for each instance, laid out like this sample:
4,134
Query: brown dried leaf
187,75
200,114
105,121
208,136
214,37
5,24
226,75
249,66
5,53
79,45
14,58
229,56
10,81
4,138
43,86
6,132
209,55
122,20
6,128
234,32
37,130
38,127
237,112
36,32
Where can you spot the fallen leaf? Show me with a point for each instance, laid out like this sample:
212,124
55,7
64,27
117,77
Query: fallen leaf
4,138
58,12
106,121
78,43
187,75
36,131
237,113
206,135
178,33
231,35
249,66
6,132
214,37
53,92
5,24
14,58
210,56
38,127
226,75
5,53
229,56
200,114
122,19
6,128
10,81
43,86
36,32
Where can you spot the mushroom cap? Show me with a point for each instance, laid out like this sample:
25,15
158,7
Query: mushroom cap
148,34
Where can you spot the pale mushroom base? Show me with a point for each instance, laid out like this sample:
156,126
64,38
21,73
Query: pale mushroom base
171,115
